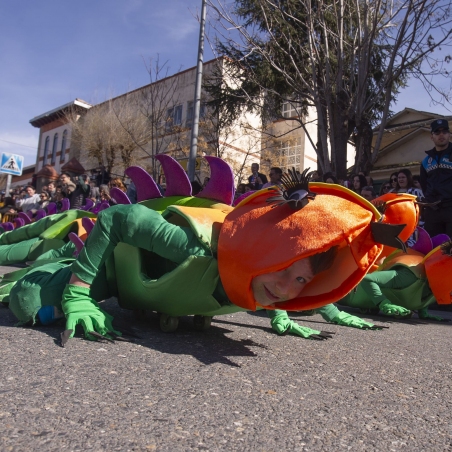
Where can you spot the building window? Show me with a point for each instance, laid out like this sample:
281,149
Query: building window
173,117
290,154
46,150
190,113
63,146
54,149
291,109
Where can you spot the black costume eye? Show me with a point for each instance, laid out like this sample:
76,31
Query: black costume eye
294,190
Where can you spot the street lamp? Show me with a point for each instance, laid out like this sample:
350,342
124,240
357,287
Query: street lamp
197,99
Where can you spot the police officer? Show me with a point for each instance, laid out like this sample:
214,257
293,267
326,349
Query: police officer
436,180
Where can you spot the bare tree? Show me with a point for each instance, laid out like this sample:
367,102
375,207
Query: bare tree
127,128
158,102
347,58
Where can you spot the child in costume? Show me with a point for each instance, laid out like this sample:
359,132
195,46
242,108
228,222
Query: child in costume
203,269
406,283
203,261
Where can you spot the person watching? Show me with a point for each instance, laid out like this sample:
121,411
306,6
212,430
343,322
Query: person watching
77,193
118,183
330,178
385,188
105,195
240,190
436,180
417,182
316,176
368,193
393,179
275,177
359,182
257,179
51,190
406,184
29,201
9,206
44,199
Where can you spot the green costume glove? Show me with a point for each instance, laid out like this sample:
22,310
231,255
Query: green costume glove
81,309
423,314
281,323
345,319
387,308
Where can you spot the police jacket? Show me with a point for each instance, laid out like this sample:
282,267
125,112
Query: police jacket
436,175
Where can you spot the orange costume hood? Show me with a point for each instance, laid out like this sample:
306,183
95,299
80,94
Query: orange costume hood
438,265
257,238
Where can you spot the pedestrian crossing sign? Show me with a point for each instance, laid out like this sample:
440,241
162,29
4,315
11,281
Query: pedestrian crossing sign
11,164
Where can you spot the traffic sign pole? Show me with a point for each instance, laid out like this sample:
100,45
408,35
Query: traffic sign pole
8,184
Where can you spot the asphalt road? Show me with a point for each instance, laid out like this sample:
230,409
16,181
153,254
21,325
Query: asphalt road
236,386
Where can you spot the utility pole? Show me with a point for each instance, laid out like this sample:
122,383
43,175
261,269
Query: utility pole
197,99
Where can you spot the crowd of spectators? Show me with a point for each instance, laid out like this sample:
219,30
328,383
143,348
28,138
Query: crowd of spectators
76,189
79,189
400,181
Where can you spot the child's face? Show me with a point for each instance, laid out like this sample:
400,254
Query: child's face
276,287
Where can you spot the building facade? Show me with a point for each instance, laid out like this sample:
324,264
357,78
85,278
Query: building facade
406,138
54,143
157,118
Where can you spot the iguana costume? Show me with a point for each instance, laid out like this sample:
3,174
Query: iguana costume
190,248
401,284
50,233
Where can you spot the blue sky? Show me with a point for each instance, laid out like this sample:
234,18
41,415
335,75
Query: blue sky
54,51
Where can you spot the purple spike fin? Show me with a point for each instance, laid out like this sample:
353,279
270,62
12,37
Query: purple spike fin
423,243
221,184
104,205
24,217
8,226
41,213
177,181
51,208
88,224
19,222
96,208
145,185
88,204
77,241
119,196
439,240
65,204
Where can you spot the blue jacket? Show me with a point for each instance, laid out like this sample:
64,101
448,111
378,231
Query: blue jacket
436,175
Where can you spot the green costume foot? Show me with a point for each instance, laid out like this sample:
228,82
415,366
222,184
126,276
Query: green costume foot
283,325
387,308
345,319
80,309
424,315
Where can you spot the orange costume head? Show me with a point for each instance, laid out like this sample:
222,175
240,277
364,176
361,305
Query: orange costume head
398,208
259,237
438,265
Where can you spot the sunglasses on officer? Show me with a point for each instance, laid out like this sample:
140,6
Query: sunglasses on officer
441,131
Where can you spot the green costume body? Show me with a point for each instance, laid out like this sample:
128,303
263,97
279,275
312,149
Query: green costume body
396,291
163,266
157,266
31,241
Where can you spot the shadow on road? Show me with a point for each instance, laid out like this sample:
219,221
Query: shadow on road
209,346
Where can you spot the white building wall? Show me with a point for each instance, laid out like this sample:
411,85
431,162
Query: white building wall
310,156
